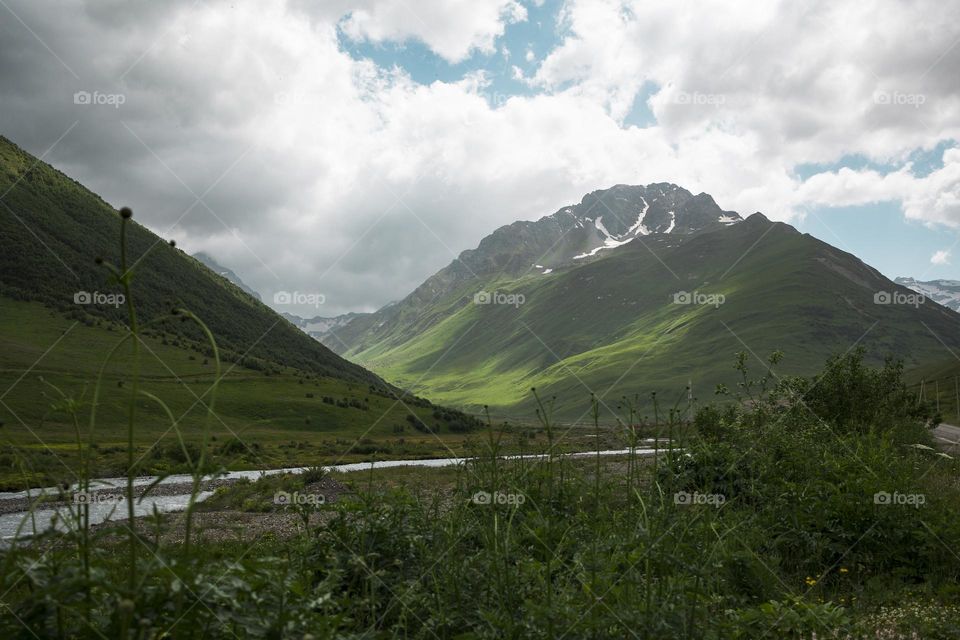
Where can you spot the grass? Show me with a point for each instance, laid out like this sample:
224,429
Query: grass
938,383
282,418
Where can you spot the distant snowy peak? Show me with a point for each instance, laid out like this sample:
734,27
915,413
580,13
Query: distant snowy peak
325,330
943,292
602,221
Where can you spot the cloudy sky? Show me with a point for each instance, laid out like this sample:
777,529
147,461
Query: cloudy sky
352,148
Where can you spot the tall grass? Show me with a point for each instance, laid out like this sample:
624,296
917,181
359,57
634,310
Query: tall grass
76,519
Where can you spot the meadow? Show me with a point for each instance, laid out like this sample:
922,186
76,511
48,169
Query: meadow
263,420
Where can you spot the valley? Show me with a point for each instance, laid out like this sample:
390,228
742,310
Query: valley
500,319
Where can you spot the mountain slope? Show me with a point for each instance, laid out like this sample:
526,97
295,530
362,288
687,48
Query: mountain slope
620,322
51,228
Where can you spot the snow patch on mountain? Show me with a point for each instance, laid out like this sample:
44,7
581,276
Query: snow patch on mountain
601,228
943,292
611,241
638,226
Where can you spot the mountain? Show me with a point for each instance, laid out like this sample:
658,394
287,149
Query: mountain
637,289
322,328
573,235
945,292
52,228
319,328
603,220
222,271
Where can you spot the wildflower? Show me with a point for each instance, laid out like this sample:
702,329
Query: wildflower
844,570
810,581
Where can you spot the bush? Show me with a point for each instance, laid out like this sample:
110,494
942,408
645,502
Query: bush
812,473
850,396
176,453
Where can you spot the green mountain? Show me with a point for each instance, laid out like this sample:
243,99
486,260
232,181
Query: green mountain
52,228
638,289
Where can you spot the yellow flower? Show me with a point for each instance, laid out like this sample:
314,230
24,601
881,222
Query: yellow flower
810,581
843,570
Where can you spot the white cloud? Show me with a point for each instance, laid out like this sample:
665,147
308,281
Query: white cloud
933,199
813,80
940,257
451,28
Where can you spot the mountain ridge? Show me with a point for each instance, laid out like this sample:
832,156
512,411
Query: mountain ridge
591,324
569,235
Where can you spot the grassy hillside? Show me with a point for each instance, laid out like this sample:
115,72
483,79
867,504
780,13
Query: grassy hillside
938,382
52,228
610,326
264,420
284,399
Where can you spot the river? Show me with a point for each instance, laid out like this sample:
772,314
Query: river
114,508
